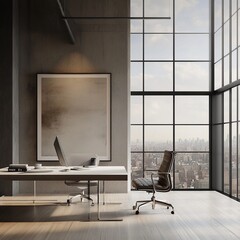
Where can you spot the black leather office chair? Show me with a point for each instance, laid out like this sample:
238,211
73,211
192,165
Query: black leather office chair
88,160
162,183
76,162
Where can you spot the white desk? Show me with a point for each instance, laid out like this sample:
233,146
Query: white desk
100,173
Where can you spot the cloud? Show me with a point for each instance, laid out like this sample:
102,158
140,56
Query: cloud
159,8
192,76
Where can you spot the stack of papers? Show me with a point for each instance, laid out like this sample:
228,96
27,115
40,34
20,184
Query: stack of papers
18,167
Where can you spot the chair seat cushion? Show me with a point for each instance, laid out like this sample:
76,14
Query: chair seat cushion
142,183
146,184
81,183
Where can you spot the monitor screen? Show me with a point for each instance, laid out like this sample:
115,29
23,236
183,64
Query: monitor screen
61,157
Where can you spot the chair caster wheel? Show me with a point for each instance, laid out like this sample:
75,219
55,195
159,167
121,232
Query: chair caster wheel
172,212
134,207
137,212
68,202
167,207
92,204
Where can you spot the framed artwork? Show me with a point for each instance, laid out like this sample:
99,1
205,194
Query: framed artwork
76,108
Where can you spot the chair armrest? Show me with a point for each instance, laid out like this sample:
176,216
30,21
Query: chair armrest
167,174
160,173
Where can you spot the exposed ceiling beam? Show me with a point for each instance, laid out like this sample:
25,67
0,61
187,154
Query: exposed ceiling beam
66,22
114,18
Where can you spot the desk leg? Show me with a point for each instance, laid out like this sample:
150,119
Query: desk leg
89,213
99,211
104,201
98,200
35,195
88,189
34,191
104,193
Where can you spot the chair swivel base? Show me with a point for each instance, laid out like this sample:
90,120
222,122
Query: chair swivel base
154,202
82,196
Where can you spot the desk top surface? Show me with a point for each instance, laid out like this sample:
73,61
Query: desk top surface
58,173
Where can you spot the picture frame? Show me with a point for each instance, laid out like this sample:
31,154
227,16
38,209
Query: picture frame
77,109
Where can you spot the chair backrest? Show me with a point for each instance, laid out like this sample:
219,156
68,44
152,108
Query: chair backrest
167,161
165,181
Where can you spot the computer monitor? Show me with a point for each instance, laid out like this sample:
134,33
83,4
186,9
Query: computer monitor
61,156
83,159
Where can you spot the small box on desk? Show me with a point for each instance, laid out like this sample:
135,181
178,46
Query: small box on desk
18,167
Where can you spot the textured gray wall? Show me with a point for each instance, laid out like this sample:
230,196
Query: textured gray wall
101,47
9,90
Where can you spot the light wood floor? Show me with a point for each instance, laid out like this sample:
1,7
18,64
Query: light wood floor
198,215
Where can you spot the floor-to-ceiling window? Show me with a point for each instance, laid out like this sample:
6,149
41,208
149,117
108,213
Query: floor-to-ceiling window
226,63
170,88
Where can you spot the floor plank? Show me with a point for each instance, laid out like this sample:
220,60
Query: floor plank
199,215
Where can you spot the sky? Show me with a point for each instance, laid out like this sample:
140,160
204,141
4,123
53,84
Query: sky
192,16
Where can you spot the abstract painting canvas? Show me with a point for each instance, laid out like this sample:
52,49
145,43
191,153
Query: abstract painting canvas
76,108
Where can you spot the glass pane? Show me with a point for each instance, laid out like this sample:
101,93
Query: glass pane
159,109
226,158
137,165
226,38
218,75
234,104
218,45
136,109
136,46
234,159
136,26
238,108
192,110
158,76
234,6
226,9
192,16
158,47
157,8
187,47
152,161
136,8
158,25
136,76
226,106
158,138
238,24
192,170
192,76
238,162
238,63
234,65
218,14
234,31
192,138
226,70
136,138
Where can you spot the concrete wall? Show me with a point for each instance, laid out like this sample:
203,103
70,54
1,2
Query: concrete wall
9,90
101,47
217,146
